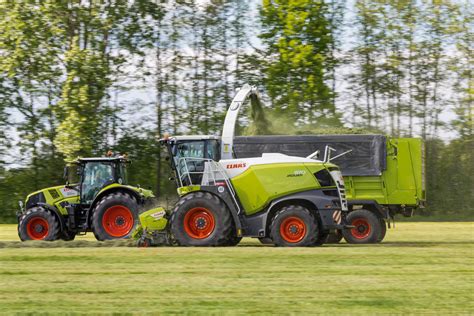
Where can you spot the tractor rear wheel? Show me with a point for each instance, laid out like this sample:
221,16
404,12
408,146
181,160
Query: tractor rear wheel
38,223
202,219
294,226
114,216
367,228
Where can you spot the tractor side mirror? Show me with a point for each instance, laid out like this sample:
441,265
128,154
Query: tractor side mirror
66,173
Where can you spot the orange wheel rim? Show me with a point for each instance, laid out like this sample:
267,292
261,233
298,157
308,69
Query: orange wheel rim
37,228
362,228
118,221
199,223
293,229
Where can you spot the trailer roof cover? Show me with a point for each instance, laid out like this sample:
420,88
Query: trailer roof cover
367,158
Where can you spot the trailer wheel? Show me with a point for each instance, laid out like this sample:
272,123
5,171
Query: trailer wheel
202,219
334,237
38,223
294,226
114,216
367,228
383,232
265,240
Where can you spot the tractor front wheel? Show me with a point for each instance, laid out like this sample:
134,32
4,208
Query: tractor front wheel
38,223
367,227
202,219
294,226
114,216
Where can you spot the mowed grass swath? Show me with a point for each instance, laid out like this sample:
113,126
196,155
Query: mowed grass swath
420,268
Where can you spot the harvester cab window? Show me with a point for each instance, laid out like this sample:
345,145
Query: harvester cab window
95,176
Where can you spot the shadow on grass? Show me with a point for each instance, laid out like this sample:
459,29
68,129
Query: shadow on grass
132,243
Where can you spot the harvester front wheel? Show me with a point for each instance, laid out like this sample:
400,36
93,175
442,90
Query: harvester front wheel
38,223
367,227
114,216
294,226
202,219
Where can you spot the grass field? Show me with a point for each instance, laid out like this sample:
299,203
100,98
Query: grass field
419,268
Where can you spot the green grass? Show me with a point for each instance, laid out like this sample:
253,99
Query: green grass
419,268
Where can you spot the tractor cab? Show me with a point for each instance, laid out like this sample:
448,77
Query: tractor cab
90,175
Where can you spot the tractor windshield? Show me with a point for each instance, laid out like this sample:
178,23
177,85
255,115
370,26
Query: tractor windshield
122,177
94,177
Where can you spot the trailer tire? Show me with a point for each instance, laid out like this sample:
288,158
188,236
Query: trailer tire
115,216
383,230
265,240
294,226
334,237
367,227
202,219
37,223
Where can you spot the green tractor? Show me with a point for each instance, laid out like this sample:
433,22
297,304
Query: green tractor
96,198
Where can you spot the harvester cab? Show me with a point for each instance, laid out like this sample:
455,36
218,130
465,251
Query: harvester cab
96,197
280,199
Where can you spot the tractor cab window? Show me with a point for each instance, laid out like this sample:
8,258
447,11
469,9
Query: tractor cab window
95,176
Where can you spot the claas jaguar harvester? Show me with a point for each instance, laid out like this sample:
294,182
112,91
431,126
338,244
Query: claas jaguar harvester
284,200
96,198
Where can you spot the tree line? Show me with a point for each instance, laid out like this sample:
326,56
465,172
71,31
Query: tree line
78,78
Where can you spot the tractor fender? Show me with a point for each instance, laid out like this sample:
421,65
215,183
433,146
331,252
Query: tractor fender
54,210
119,188
371,206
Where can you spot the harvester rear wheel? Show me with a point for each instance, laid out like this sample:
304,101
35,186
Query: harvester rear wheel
202,219
367,230
68,235
294,226
38,223
114,216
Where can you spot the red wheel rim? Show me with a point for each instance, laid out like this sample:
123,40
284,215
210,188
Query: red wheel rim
362,228
118,221
37,228
293,229
199,223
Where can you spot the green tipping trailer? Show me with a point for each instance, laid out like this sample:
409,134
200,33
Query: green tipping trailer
383,176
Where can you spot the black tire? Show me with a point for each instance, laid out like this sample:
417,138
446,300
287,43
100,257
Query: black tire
37,223
120,222
265,240
202,219
368,227
233,241
334,237
322,239
68,235
383,231
299,225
